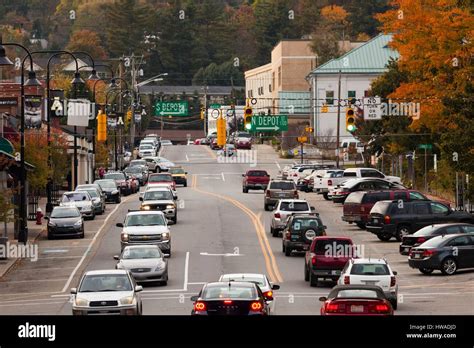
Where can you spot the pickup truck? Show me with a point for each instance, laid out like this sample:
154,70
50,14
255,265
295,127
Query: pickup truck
255,180
331,178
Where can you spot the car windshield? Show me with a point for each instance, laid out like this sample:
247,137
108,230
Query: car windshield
160,178
105,282
92,193
294,206
176,170
299,224
241,278
142,253
146,147
145,220
75,197
114,176
369,269
282,185
106,184
157,196
380,207
354,197
217,292
65,213
244,135
134,169
356,293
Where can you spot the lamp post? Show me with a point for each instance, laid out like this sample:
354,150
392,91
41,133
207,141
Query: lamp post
32,81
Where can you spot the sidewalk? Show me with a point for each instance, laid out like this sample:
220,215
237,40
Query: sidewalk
34,232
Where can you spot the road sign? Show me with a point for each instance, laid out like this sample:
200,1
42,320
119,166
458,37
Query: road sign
215,106
372,108
425,146
268,123
174,108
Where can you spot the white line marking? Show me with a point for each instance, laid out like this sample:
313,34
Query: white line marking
165,290
197,283
278,164
50,251
35,280
211,174
32,304
226,254
210,177
60,295
68,283
223,177
61,257
187,158
186,269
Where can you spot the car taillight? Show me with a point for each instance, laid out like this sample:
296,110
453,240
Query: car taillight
421,240
199,306
382,308
387,219
347,280
313,260
268,294
344,193
329,182
227,301
332,307
410,254
288,235
277,215
256,306
393,281
429,253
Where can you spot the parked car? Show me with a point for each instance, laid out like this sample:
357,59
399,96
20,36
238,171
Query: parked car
283,210
65,222
261,280
145,227
160,198
332,178
165,142
356,300
146,263
358,204
228,150
179,175
393,219
98,199
125,184
340,194
255,179
230,298
352,173
213,144
112,192
431,231
447,253
107,292
372,272
327,257
306,183
81,200
299,232
279,189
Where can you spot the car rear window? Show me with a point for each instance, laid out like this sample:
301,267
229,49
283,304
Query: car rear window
282,185
374,197
299,224
381,207
349,174
229,292
257,173
355,293
160,178
369,269
332,246
294,206
355,197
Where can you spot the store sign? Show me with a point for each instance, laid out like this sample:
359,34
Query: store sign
7,101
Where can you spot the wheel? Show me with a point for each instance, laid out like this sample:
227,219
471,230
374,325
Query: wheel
272,230
402,230
326,196
118,200
185,184
313,281
394,303
175,218
50,236
361,225
245,190
384,237
164,282
426,270
283,247
82,234
287,252
275,232
266,207
306,273
449,266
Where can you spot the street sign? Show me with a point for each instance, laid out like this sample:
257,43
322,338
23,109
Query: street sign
372,108
215,106
268,123
425,146
174,108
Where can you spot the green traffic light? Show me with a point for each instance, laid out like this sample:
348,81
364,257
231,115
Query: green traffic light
248,126
351,128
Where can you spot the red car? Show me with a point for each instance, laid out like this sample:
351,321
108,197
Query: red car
367,300
243,143
326,258
255,179
161,178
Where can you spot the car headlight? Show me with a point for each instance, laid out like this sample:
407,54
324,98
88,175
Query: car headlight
170,206
145,207
115,192
78,223
124,237
127,300
119,265
161,266
52,224
165,235
81,302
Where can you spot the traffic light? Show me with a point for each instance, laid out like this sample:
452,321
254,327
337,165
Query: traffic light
221,131
350,120
129,115
248,113
309,129
101,127
203,111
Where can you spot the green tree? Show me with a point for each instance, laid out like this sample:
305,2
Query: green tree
362,16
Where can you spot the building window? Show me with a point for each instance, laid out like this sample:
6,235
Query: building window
273,80
330,97
250,93
279,76
270,87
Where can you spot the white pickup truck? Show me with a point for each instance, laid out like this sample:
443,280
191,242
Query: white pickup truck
332,177
353,173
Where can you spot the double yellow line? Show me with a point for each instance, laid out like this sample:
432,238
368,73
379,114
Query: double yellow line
270,262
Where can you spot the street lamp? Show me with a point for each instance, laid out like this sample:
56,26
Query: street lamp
32,81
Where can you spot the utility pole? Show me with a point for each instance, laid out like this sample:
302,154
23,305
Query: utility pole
338,133
134,100
161,118
205,111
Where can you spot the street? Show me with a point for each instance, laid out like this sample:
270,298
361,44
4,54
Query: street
219,230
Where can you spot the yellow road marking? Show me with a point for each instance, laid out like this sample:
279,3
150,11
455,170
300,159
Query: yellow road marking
213,155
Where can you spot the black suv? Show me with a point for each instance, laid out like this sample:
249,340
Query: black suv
300,231
389,219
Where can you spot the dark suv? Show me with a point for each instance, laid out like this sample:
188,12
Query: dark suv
300,231
326,258
397,218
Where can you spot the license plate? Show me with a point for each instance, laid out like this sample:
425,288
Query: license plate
417,256
370,282
406,249
376,221
357,309
335,272
281,195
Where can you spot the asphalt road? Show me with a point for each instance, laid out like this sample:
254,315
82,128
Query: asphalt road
219,230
